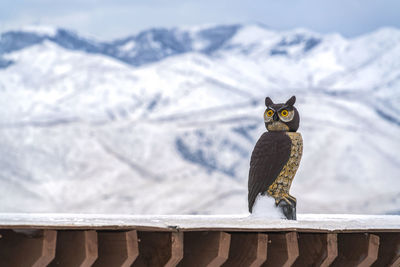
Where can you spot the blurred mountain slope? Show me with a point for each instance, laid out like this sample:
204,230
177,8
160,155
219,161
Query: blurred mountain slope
164,121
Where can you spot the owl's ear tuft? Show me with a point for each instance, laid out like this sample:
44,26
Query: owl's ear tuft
291,101
268,101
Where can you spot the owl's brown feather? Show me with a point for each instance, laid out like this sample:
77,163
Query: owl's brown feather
271,153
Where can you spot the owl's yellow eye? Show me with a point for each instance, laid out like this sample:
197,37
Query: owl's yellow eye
284,113
270,113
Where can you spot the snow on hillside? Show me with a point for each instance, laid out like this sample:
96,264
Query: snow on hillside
164,122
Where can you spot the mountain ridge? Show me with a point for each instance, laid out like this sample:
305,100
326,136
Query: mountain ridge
87,132
156,44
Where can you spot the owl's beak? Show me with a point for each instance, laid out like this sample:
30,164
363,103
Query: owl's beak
275,117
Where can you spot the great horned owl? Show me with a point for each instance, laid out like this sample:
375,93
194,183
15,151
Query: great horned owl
276,157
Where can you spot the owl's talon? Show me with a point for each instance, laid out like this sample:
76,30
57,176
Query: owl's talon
287,200
289,210
291,200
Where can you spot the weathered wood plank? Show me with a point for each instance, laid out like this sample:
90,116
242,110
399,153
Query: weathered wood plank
117,248
372,254
34,248
247,249
205,249
159,249
396,263
389,250
283,249
357,250
316,249
75,248
332,250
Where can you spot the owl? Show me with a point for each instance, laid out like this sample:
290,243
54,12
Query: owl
276,157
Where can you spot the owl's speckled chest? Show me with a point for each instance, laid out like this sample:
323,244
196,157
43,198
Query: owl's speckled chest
282,183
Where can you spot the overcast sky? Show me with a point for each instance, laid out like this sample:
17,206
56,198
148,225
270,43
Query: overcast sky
106,19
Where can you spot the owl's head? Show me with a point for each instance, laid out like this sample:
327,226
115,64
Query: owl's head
281,117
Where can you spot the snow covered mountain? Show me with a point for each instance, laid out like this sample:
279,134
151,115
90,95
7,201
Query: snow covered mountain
164,121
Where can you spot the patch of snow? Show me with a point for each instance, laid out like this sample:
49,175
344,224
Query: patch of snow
128,46
264,207
254,34
318,222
